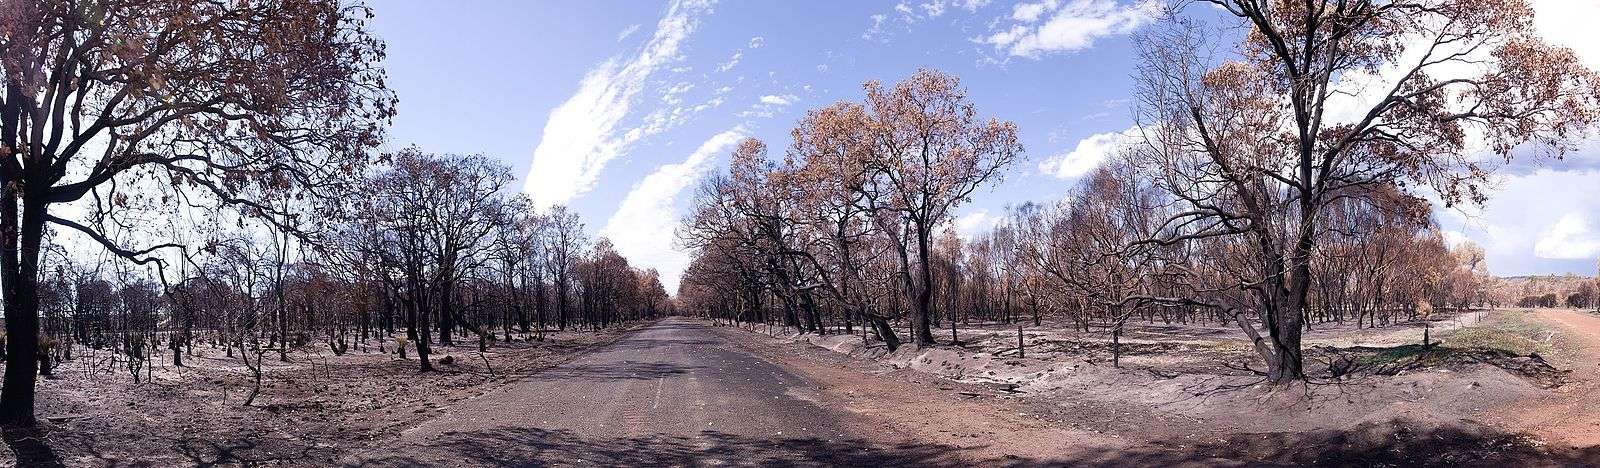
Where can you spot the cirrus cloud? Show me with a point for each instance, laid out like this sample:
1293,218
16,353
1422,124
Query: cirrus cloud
587,131
642,225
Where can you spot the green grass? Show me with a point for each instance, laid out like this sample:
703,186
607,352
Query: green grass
1512,331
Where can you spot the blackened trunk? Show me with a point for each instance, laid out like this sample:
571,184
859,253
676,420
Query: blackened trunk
885,332
925,290
446,315
19,266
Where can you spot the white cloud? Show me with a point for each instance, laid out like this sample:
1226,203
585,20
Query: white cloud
709,104
732,62
586,132
1088,155
767,106
776,100
1030,12
1453,238
972,224
1070,27
974,5
643,224
757,42
1525,227
1571,238
1570,23
934,8
875,32
1560,22
628,31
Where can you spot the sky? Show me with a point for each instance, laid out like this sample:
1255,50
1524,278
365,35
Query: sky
618,108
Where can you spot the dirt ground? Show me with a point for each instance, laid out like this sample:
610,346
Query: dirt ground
1493,387
311,410
1569,414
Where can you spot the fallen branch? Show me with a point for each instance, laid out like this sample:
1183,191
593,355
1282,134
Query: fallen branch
486,365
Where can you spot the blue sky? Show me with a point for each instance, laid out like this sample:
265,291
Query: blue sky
617,108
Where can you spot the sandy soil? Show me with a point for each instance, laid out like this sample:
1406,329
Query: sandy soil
1502,388
1571,414
905,407
1182,392
311,410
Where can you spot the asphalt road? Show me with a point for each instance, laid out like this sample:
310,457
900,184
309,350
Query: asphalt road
672,394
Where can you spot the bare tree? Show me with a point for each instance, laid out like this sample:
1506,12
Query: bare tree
933,151
1254,150
218,102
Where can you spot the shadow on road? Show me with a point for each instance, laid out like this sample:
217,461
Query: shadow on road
627,370
1391,444
540,447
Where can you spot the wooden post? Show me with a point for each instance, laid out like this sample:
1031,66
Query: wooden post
1116,346
1022,351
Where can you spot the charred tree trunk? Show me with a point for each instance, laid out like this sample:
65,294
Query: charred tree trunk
19,265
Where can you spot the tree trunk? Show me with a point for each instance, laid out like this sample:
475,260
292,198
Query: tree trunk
19,267
446,315
423,348
885,332
561,301
925,292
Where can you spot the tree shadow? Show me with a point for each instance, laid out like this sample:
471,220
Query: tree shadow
248,450
626,370
1397,442
30,447
1394,443
541,447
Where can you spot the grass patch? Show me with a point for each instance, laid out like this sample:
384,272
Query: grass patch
1511,340
1395,360
1510,331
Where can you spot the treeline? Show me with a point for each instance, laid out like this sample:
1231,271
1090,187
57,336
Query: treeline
1254,188
843,230
819,242
430,251
216,170
1568,290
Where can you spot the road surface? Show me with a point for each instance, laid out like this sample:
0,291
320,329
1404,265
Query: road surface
671,394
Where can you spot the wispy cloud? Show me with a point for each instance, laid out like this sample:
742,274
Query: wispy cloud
642,225
732,62
768,106
1526,228
876,31
586,132
628,31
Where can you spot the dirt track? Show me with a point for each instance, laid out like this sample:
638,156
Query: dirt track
1573,415
671,394
682,393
